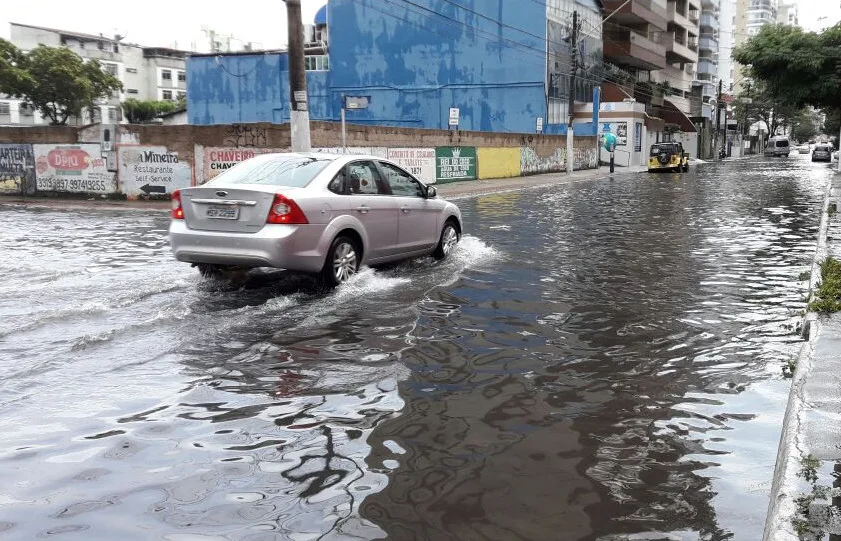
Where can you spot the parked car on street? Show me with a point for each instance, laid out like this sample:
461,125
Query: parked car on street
822,153
316,213
777,146
668,156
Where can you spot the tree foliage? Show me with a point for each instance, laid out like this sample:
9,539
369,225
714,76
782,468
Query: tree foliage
797,67
143,111
762,105
54,80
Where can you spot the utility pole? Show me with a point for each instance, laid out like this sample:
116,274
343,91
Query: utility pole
573,68
299,116
717,119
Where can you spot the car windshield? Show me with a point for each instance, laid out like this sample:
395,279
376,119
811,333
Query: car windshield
657,149
276,170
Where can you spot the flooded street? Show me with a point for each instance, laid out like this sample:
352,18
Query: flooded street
597,360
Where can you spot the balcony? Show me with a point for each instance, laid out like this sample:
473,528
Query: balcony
677,51
626,48
673,16
706,67
636,12
694,14
707,44
709,22
707,89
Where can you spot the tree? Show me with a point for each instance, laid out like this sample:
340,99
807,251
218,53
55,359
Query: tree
143,111
58,83
798,68
10,68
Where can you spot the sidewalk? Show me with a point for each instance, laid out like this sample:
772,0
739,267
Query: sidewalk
453,190
808,466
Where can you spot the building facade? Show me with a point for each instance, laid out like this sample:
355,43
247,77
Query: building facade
147,73
705,81
726,43
413,62
788,14
751,15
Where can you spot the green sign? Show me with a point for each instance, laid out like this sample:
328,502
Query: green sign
455,163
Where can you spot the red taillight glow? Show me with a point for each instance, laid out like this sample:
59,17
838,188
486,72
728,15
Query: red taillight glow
285,211
177,209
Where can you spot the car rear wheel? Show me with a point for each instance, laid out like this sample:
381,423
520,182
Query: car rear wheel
342,261
448,240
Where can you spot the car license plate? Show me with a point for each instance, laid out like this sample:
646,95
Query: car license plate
223,213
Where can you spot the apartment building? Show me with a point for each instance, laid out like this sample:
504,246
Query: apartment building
751,15
788,14
657,41
705,80
147,73
726,42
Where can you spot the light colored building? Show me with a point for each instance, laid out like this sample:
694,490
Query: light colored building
751,15
705,80
147,73
788,14
726,43
683,19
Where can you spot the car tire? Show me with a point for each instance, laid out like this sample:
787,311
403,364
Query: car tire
342,261
447,241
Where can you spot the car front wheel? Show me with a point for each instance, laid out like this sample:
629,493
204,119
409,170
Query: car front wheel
448,240
342,261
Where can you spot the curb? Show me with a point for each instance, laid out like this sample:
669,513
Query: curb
785,486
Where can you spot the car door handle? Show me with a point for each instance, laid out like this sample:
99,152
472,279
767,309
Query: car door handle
363,209
405,209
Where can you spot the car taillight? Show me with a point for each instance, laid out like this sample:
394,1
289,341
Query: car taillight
177,209
285,211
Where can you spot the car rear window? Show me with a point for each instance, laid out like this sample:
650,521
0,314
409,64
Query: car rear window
293,171
782,143
657,149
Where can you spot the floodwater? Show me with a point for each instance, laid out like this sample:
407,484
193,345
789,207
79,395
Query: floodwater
598,361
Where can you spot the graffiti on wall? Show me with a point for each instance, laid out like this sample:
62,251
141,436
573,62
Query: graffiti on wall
72,168
17,169
420,162
585,158
148,170
245,135
532,163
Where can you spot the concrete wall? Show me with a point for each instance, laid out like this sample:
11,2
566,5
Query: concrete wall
153,160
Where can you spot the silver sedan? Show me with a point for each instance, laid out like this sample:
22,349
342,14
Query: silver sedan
317,213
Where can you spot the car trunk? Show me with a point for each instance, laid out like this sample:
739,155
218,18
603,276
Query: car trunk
222,208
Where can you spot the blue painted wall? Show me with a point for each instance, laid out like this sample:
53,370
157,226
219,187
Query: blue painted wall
414,58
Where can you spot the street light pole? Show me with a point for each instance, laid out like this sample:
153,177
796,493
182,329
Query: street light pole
299,116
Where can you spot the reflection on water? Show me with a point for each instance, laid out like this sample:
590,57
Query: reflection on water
598,361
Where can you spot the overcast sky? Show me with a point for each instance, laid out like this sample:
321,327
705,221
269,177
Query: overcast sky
171,23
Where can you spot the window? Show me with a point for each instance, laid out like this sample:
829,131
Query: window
401,182
273,170
113,69
317,63
181,95
340,184
112,115
364,179
26,110
5,109
166,75
131,91
116,48
182,77
100,45
166,94
131,70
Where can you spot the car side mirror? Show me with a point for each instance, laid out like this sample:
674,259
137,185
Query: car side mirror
431,192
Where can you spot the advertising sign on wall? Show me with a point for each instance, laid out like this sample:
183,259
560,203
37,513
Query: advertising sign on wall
418,161
619,129
455,163
72,168
219,159
146,170
17,169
